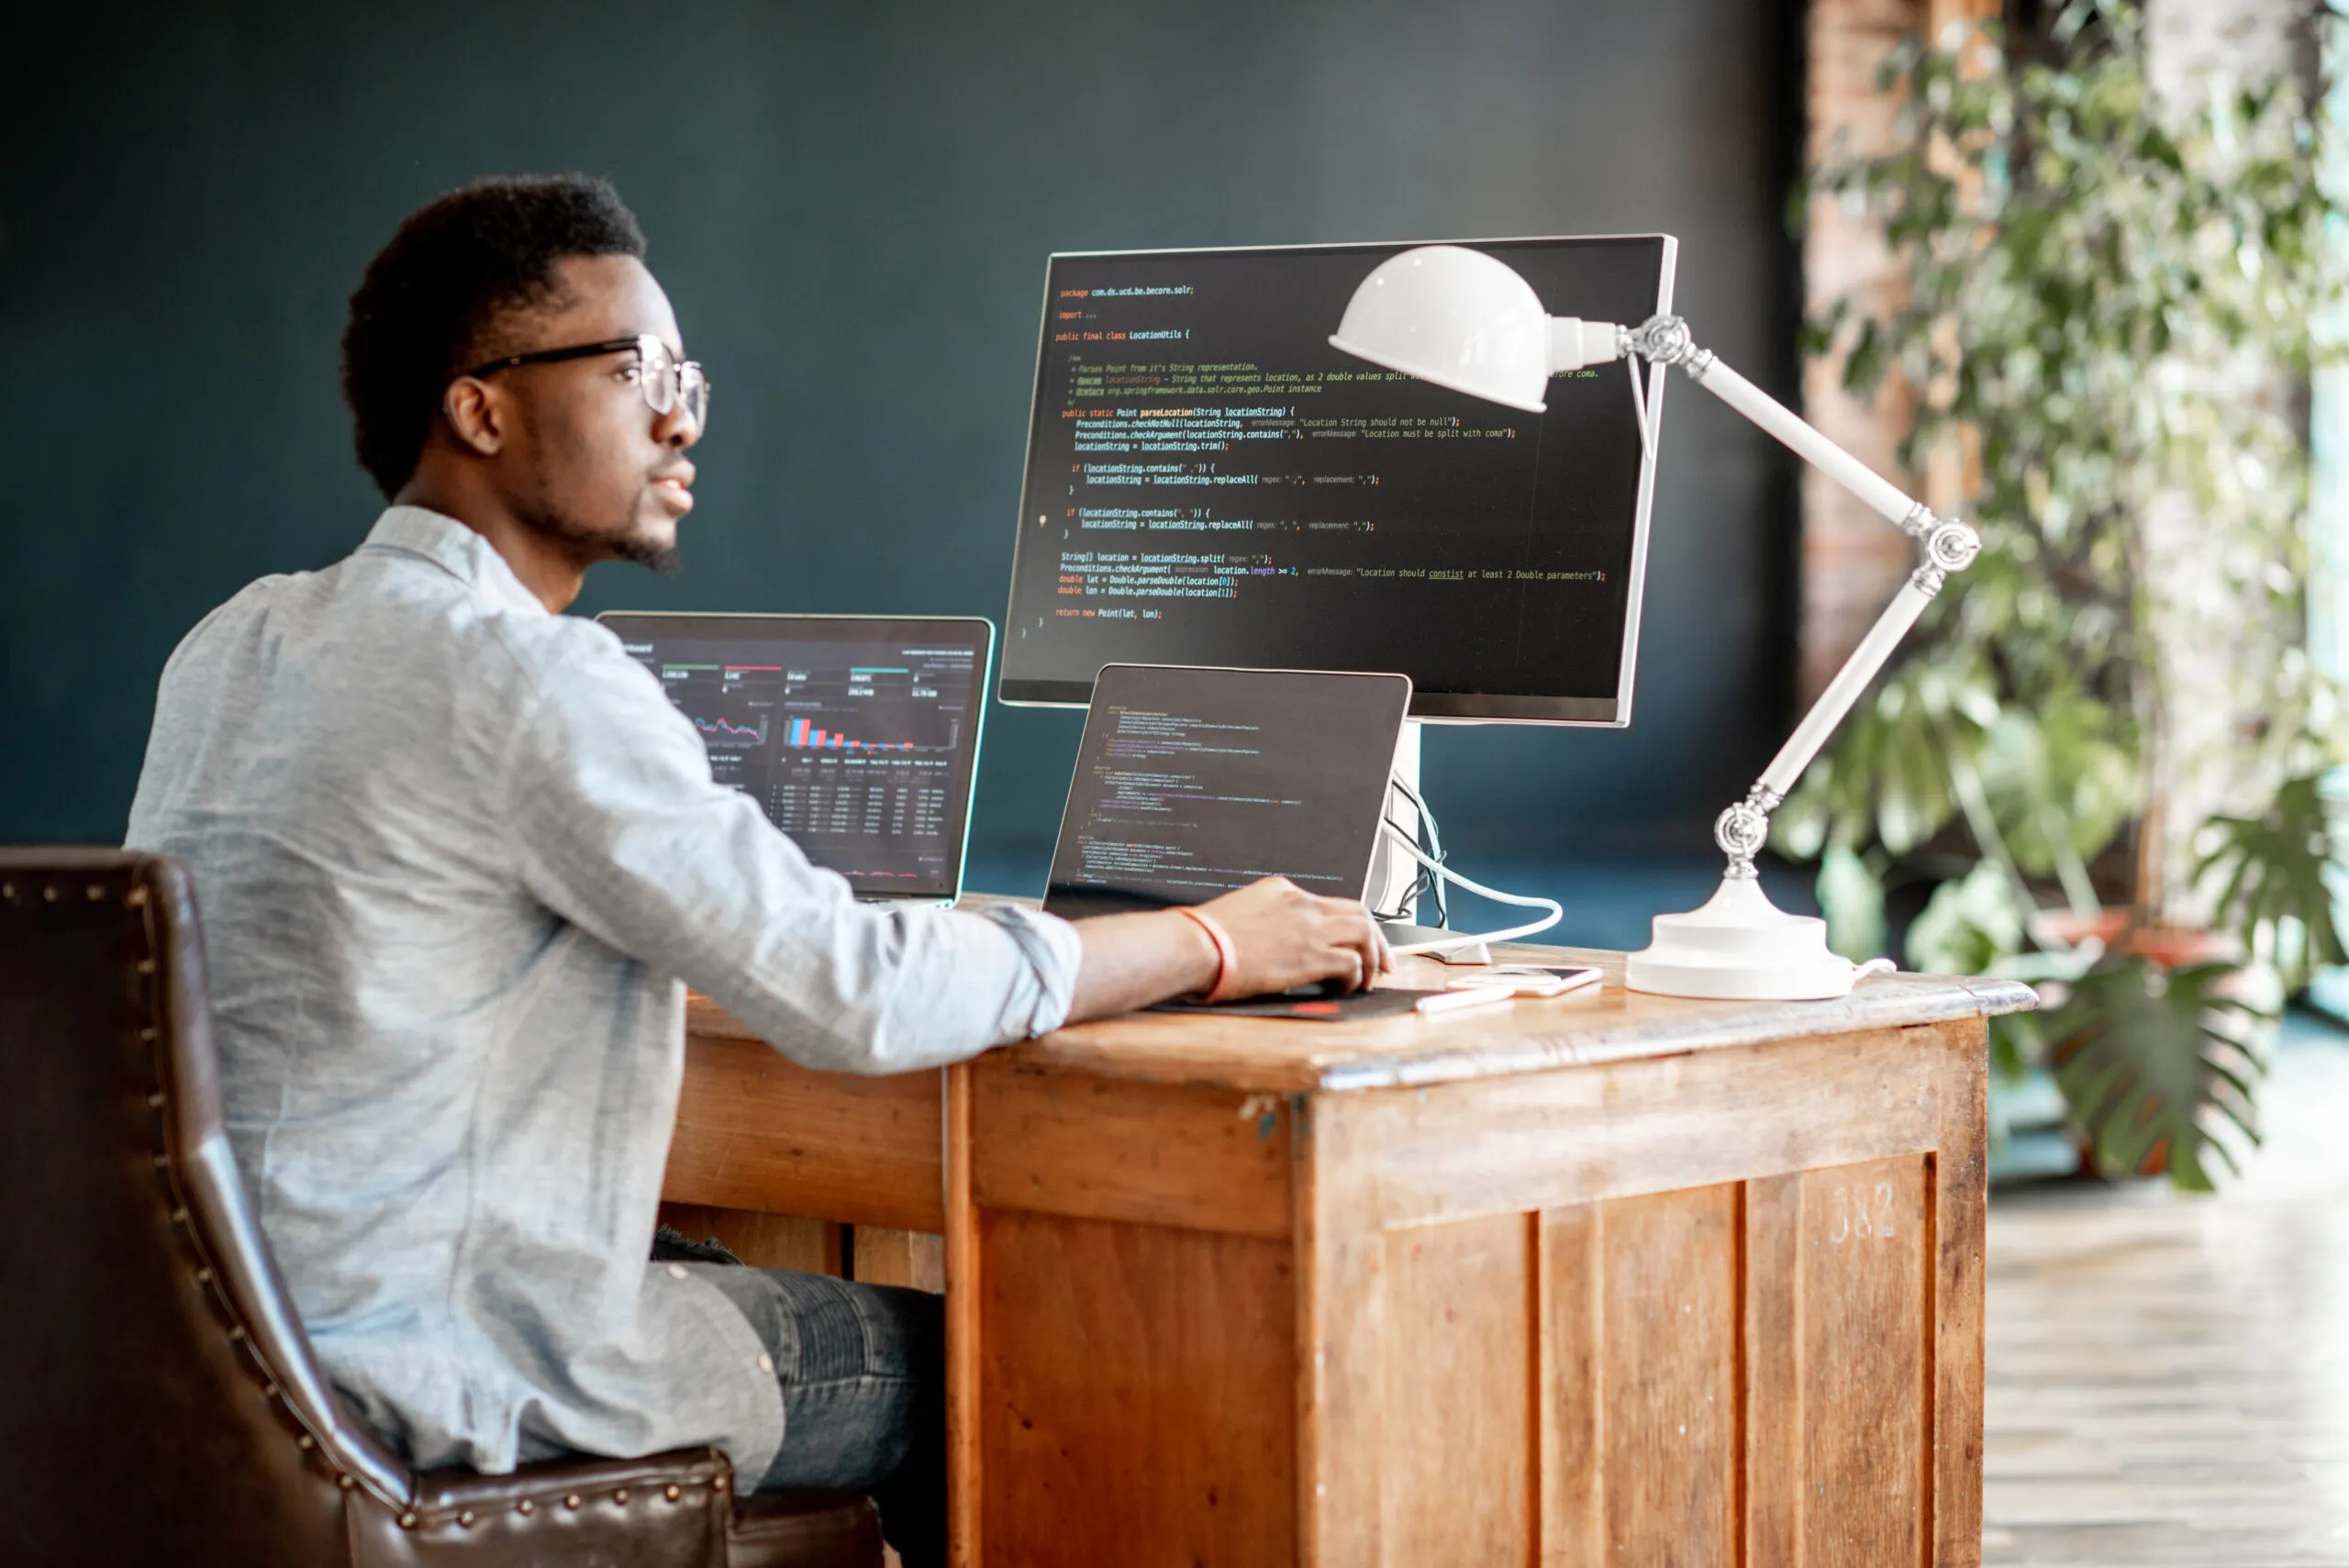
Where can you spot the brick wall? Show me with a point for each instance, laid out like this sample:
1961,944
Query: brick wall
1852,561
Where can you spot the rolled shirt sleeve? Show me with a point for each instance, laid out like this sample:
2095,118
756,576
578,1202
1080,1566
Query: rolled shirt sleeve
621,830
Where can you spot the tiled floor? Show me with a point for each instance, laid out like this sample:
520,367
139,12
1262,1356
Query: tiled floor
2169,1376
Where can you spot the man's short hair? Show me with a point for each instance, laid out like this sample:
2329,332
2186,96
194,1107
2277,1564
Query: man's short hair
431,300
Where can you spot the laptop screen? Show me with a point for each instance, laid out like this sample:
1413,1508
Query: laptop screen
857,735
1191,782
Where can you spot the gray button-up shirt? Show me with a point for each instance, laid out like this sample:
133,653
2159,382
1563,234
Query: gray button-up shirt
459,859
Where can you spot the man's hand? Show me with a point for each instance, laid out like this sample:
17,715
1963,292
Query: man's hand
1281,935
1284,936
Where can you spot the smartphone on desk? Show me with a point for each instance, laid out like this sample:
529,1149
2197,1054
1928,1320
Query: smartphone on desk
1525,979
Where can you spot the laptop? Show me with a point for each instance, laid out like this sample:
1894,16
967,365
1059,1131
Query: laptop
1192,781
857,735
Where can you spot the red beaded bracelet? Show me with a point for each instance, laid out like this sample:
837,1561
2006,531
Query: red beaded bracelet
1227,957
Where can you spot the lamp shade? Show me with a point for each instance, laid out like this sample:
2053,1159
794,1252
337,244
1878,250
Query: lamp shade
1454,317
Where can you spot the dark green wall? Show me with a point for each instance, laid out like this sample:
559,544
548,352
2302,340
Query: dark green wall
851,206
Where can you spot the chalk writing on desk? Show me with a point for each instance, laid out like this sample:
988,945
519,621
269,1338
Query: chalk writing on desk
1858,1212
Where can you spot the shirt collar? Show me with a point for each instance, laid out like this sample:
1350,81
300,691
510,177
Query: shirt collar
456,549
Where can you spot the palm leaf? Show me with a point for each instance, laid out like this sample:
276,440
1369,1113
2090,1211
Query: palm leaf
2273,869
2151,1061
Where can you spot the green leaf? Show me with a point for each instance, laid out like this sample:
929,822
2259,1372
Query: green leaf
2274,888
2061,776
1850,895
2018,1044
1870,356
1887,779
2149,1062
1969,926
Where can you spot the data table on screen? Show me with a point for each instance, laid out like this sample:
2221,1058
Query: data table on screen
854,749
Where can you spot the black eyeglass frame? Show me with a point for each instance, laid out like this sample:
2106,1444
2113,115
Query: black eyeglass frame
641,346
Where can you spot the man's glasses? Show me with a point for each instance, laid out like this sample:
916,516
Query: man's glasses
665,381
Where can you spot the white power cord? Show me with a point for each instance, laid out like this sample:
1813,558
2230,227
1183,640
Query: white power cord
1430,840
1515,933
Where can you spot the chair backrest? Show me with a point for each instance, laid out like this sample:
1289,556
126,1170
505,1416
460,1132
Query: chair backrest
159,1401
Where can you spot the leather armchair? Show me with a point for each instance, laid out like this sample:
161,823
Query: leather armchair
159,1399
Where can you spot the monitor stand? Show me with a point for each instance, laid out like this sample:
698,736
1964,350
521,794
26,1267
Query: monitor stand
1392,872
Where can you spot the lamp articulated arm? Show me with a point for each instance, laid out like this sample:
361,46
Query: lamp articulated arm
1467,320
1944,545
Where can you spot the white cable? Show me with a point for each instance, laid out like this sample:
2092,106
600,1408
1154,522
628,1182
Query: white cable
1421,883
1515,933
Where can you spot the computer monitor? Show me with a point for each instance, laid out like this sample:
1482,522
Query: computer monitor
1209,482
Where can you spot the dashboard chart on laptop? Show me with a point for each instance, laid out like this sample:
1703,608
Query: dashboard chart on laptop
855,736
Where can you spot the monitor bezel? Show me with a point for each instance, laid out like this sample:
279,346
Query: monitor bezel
751,620
1432,708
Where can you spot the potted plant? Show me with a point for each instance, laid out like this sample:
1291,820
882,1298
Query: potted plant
2098,283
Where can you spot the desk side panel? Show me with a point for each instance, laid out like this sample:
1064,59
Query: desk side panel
757,1133
1639,1396
1152,1154
1860,1349
1869,1339
1341,1336
1731,1342
1133,1394
1961,1176
1667,1393
1579,1135
1127,1321
1460,1410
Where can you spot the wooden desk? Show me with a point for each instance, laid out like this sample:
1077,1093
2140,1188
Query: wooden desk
1610,1279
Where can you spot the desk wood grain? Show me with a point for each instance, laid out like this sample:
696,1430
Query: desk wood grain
754,1131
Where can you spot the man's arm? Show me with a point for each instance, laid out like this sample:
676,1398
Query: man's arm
618,827
1281,935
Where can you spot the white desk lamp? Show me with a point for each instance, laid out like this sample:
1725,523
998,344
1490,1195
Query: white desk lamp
1468,322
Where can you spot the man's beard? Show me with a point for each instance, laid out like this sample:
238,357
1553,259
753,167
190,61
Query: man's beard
660,558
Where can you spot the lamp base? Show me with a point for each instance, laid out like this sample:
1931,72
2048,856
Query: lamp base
1740,947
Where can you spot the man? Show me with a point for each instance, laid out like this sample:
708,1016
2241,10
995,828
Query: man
460,859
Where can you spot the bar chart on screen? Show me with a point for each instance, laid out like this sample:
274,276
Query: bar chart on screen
854,745
807,735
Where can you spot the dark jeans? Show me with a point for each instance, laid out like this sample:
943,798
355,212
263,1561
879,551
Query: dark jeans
863,1374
